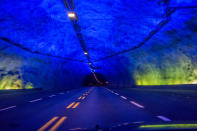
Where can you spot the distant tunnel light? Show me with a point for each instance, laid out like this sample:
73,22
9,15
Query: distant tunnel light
85,53
71,15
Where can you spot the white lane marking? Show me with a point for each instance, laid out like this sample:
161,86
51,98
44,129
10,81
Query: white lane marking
126,123
74,129
123,97
36,100
52,95
116,94
110,90
10,107
138,122
164,118
136,104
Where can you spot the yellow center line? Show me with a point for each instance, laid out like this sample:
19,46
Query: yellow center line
48,124
70,105
79,98
57,124
76,105
82,98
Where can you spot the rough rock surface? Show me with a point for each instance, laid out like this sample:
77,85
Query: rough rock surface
39,47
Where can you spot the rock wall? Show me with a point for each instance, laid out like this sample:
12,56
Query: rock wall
37,39
23,70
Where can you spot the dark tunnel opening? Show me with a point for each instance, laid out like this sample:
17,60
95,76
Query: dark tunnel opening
91,81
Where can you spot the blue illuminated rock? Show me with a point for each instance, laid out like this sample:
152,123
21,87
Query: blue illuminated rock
39,47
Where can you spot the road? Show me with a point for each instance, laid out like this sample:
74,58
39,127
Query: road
85,108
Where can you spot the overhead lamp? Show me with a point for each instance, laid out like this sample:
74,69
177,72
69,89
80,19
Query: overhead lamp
72,15
86,53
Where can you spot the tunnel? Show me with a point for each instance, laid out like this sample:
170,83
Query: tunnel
96,79
99,64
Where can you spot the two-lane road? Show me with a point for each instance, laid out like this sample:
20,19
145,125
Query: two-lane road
77,109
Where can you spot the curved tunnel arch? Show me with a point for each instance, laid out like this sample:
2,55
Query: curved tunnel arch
53,38
90,80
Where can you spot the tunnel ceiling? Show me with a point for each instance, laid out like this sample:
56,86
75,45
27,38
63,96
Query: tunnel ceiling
118,34
108,27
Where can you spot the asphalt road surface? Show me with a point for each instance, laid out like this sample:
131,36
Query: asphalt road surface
93,107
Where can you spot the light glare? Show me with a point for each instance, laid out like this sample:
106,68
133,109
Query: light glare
71,15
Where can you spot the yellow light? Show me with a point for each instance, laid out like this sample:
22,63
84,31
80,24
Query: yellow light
71,15
85,53
170,126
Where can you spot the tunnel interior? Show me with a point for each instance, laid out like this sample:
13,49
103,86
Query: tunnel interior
146,43
109,65
95,80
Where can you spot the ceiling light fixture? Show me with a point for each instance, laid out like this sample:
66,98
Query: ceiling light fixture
72,15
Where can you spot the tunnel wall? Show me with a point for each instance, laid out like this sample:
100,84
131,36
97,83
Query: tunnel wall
108,27
169,58
23,70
